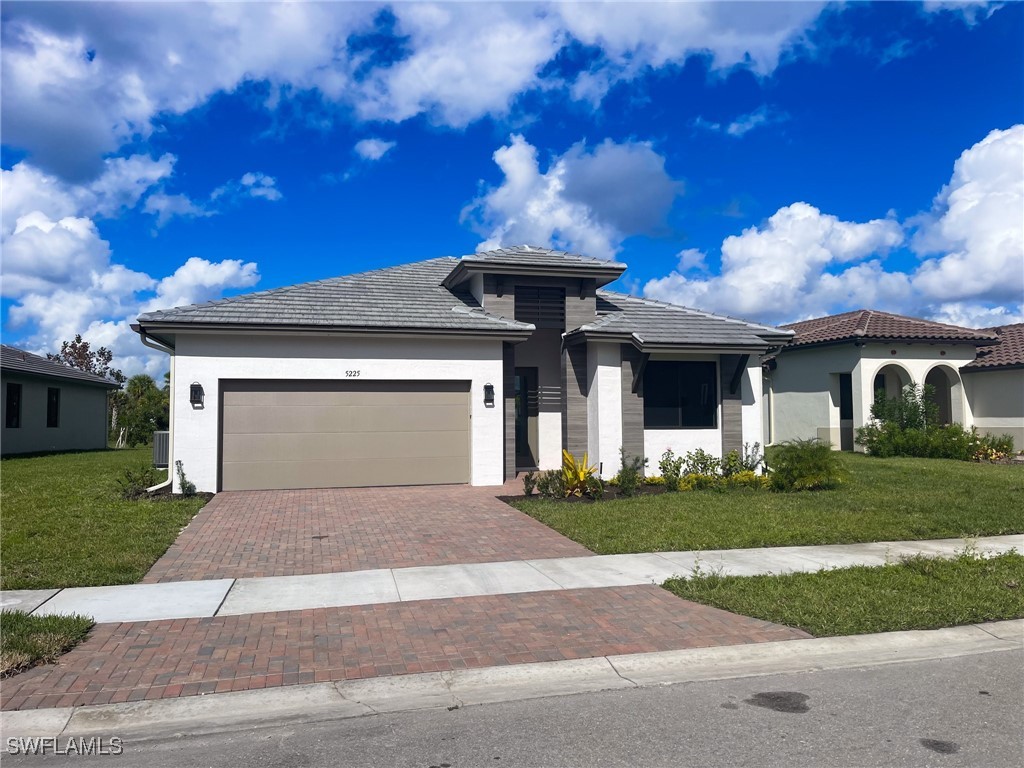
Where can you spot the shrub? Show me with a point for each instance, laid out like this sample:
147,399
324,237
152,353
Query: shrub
671,466
632,473
551,485
188,488
695,482
529,482
731,464
133,483
700,462
747,478
654,480
805,465
751,458
595,487
576,474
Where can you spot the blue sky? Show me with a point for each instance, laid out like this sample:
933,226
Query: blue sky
768,160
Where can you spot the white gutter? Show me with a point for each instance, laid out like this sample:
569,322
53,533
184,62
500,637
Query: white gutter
170,416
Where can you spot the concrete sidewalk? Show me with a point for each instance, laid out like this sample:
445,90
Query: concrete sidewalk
236,597
359,698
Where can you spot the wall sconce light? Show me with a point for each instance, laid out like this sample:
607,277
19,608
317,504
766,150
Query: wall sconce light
488,394
195,393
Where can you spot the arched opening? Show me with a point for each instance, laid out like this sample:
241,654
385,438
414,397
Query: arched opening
890,381
946,393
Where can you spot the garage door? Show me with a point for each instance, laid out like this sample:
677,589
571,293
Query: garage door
330,434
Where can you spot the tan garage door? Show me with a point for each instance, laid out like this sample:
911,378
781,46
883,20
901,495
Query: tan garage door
330,434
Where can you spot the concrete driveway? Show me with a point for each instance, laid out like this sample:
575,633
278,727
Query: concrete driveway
245,534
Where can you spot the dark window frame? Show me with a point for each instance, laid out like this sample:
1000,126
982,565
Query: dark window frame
543,306
53,407
12,415
681,394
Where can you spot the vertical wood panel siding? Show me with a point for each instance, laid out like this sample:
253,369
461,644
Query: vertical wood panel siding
574,408
632,403
580,309
732,406
504,305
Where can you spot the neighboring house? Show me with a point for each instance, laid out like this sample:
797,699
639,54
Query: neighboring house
994,383
50,407
822,384
451,371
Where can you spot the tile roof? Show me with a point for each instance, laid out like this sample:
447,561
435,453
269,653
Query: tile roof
531,255
657,323
866,324
1008,352
14,359
408,296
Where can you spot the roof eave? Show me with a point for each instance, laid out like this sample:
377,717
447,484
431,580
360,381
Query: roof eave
154,329
603,274
996,367
861,340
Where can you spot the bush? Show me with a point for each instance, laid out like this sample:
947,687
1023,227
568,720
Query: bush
133,483
700,462
529,482
654,480
551,485
632,473
595,487
700,482
747,478
671,466
805,465
992,448
188,488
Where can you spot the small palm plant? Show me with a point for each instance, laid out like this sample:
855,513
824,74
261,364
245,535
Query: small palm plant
579,477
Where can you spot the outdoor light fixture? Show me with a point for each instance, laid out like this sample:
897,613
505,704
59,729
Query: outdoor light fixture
488,394
195,393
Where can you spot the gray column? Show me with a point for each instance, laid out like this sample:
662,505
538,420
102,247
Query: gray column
632,403
509,385
574,399
732,405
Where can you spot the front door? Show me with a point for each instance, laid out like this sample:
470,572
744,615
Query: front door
526,418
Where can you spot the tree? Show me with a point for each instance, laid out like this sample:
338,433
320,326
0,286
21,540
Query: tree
142,408
79,354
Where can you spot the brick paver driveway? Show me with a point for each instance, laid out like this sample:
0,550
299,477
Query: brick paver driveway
244,534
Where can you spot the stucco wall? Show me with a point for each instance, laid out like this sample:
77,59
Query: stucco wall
83,417
604,403
207,359
997,402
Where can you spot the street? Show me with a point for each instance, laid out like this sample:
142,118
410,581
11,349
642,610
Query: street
964,711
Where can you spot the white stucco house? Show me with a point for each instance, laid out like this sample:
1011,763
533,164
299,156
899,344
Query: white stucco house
823,383
451,370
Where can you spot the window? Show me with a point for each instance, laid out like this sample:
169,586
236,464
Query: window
680,395
52,407
544,307
12,418
845,396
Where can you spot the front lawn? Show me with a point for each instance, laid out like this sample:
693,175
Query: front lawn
884,500
64,524
26,641
918,593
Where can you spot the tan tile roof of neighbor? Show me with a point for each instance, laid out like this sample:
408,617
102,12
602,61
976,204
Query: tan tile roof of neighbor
1009,352
19,361
870,324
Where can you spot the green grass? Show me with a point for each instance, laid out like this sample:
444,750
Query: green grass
29,640
63,523
884,500
918,593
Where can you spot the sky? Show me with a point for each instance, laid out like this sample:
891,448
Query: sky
771,161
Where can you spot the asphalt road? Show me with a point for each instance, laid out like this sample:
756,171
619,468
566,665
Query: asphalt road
965,711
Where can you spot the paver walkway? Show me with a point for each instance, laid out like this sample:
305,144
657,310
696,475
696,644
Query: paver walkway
245,534
165,659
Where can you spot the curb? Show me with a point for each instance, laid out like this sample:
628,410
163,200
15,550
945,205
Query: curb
213,713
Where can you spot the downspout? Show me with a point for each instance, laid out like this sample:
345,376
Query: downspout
159,347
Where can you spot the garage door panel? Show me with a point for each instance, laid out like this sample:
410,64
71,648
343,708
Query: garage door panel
280,434
327,445
252,419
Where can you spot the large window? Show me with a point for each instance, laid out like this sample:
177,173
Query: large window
52,407
12,417
680,395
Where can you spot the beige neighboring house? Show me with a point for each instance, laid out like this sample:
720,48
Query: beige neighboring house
994,382
50,407
451,370
823,383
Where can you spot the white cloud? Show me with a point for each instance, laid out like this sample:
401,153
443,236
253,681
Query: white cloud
199,280
165,207
785,266
43,255
802,263
373,149
977,225
761,116
252,184
577,202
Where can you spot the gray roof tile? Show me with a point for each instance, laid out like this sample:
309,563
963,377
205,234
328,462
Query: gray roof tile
531,255
14,359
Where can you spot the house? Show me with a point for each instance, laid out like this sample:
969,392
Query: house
823,383
50,407
994,383
451,370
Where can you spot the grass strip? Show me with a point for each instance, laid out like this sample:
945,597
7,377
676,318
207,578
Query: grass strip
26,641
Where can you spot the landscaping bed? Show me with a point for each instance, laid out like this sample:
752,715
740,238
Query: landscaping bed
916,593
26,641
881,500
63,522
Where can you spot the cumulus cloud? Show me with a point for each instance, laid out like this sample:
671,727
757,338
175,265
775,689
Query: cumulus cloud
252,185
373,149
802,262
577,203
165,207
